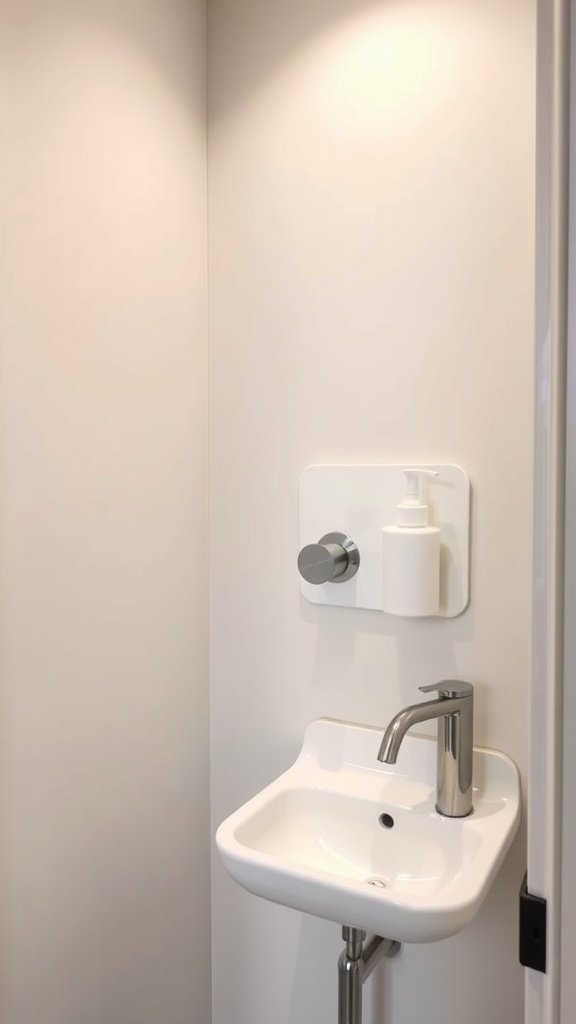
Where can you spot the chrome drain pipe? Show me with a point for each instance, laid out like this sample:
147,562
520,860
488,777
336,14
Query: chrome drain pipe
355,965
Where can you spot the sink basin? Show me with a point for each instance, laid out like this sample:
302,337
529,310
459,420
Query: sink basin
341,836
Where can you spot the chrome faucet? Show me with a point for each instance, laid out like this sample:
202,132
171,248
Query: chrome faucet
454,710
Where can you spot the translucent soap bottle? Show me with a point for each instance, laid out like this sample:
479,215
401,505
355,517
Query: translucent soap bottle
411,555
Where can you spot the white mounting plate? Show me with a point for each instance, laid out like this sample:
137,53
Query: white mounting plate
360,501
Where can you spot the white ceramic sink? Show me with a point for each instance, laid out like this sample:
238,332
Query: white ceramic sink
314,839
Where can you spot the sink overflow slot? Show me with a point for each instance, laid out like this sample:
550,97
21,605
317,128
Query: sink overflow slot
386,820
379,883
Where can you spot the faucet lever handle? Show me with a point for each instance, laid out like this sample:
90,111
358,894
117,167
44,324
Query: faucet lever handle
449,688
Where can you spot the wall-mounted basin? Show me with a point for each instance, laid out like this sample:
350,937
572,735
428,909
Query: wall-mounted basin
360,843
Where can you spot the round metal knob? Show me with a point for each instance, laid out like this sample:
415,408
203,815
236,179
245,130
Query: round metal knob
334,559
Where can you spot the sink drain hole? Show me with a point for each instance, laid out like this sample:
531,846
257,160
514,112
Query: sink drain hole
386,820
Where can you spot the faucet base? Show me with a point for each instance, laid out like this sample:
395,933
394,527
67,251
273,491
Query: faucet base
444,814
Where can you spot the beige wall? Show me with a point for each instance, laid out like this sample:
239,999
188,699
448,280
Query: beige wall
371,230
103,569
371,258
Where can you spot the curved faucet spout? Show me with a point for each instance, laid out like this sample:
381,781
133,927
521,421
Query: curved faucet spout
454,709
405,719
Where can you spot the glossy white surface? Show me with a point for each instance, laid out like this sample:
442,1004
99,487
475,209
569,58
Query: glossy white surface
313,839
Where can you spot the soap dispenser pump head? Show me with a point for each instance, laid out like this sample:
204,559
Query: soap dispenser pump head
411,510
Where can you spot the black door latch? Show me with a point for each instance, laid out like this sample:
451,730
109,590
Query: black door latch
532,929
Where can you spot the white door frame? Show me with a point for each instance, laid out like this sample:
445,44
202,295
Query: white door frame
545,771
568,885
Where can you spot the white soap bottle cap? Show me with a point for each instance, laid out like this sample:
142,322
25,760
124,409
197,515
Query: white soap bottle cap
412,512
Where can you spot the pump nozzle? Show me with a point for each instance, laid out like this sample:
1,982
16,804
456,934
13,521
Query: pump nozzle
413,482
411,510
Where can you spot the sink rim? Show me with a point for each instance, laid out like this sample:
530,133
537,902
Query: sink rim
334,757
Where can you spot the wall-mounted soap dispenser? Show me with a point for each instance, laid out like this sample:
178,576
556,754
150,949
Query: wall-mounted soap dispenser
409,560
411,554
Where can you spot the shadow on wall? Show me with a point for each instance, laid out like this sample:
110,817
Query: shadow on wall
320,945
266,41
139,27
426,650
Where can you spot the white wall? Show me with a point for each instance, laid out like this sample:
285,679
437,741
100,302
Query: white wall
371,195
103,569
